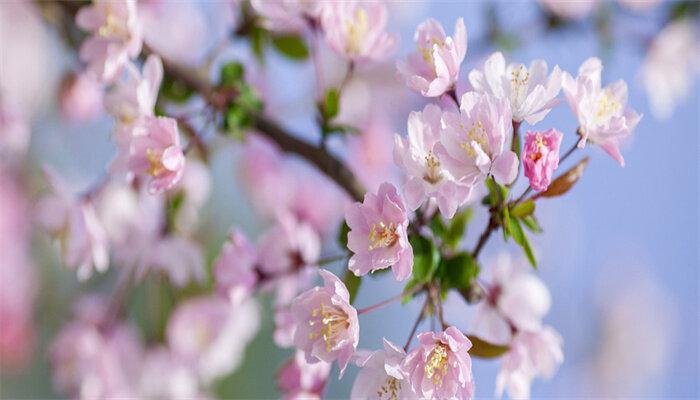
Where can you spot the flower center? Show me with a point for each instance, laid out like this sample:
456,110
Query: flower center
155,167
334,321
428,52
436,368
607,107
357,28
434,175
390,390
519,82
476,134
382,235
540,142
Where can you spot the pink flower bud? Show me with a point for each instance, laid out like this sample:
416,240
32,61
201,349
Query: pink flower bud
541,157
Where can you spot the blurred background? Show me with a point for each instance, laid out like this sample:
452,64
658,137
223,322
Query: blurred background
619,252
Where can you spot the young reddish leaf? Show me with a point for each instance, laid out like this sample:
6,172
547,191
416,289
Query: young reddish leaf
483,349
564,182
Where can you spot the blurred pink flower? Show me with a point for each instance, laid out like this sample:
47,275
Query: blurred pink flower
234,268
671,66
287,254
297,378
116,36
531,93
532,354
18,280
367,155
355,30
89,361
135,97
516,299
602,113
473,142
541,157
285,326
427,178
155,151
279,186
14,130
73,221
327,325
639,5
194,188
434,68
211,333
180,258
440,368
164,376
382,375
570,10
176,30
378,234
287,15
80,97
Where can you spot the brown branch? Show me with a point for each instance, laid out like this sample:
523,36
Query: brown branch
196,81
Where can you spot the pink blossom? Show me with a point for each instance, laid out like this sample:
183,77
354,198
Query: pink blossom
532,354
135,97
155,151
602,113
285,327
287,256
639,5
440,368
427,178
287,15
382,376
194,189
116,36
80,97
327,325
165,376
234,269
18,279
177,30
210,333
434,68
473,143
278,186
570,10
531,93
297,378
671,66
90,361
516,299
74,222
355,30
378,234
541,157
367,155
180,258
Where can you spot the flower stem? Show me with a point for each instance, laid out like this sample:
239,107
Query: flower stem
391,300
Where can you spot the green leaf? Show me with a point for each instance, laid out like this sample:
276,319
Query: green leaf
231,74
291,46
483,349
523,209
506,224
248,98
235,121
343,235
531,223
455,231
330,106
352,282
437,226
426,257
502,191
459,271
518,235
175,90
259,37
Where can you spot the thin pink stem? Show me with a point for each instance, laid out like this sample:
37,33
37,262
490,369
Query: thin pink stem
387,301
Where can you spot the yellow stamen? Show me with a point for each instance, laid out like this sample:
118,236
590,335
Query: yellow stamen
477,134
156,167
436,368
334,321
356,28
390,390
434,175
385,236
607,107
519,83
